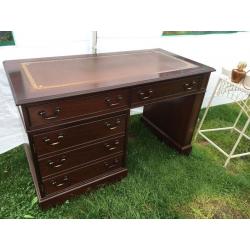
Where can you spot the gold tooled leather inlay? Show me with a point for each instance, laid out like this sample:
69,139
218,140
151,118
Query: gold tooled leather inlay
38,81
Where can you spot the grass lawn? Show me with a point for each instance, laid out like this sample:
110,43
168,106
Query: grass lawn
161,183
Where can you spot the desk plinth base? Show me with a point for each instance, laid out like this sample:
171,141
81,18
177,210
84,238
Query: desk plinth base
80,188
174,121
166,138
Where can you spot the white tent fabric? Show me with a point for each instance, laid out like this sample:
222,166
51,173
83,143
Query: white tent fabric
11,129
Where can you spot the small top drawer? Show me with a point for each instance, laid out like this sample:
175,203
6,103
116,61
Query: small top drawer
75,107
159,90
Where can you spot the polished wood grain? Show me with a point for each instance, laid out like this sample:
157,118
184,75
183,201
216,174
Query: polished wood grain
174,120
65,180
75,110
79,156
61,139
160,90
55,112
99,181
96,74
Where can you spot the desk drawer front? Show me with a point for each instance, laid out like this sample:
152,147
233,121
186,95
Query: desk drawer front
66,180
168,88
80,156
59,139
74,108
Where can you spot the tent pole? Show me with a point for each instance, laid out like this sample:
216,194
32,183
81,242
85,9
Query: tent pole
94,42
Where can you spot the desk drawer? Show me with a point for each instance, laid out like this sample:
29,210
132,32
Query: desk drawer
73,108
63,181
80,156
63,138
150,92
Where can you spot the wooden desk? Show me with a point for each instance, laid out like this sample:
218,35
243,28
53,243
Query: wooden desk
75,110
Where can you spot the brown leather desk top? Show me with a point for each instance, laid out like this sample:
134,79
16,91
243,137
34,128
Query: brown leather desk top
44,79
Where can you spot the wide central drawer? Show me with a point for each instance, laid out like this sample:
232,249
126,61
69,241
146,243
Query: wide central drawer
55,140
60,110
80,156
60,182
151,92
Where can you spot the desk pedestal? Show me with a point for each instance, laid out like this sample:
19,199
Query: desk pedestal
173,121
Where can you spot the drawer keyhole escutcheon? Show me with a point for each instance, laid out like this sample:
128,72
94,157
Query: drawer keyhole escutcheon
48,140
53,116
113,126
143,95
110,102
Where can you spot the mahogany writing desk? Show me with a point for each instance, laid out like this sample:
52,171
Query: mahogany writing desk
75,110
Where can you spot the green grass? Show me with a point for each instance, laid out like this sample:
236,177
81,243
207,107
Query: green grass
161,183
7,43
178,33
6,38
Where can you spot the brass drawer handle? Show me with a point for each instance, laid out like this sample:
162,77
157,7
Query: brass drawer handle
54,116
110,147
112,104
143,95
48,140
111,165
52,163
190,86
109,125
61,184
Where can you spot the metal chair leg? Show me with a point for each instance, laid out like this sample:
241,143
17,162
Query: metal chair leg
237,142
236,121
206,111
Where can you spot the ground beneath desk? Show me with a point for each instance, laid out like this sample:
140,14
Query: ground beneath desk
161,183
